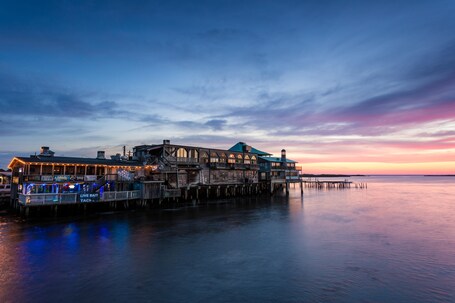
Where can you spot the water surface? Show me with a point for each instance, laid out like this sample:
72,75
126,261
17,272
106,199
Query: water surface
392,242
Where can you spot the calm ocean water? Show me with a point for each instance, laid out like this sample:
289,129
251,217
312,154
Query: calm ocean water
392,242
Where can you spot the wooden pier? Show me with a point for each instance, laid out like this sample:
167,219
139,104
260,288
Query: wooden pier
155,195
329,184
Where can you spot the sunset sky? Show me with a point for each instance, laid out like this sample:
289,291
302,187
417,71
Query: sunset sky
344,86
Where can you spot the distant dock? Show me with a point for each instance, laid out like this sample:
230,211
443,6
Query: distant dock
328,184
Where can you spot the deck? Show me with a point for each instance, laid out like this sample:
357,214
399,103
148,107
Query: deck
5,192
327,184
75,198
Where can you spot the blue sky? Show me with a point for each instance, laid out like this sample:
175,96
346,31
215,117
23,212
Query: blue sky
344,85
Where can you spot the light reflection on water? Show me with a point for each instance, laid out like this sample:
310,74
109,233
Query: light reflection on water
392,242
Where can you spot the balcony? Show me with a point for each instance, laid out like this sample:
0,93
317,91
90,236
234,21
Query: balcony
252,166
182,160
239,166
5,190
60,178
78,178
278,167
218,165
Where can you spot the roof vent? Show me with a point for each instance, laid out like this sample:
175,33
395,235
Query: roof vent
166,141
101,154
116,157
283,155
46,152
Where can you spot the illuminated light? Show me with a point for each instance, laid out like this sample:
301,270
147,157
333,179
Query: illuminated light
15,159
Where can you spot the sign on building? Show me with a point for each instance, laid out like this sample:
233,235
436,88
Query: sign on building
89,197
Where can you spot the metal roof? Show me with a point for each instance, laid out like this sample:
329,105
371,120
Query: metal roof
276,159
239,148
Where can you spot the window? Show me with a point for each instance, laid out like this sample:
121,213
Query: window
253,160
247,159
276,164
100,170
223,158
47,169
90,170
214,157
204,157
58,169
231,158
80,170
34,169
69,170
182,153
194,154
239,158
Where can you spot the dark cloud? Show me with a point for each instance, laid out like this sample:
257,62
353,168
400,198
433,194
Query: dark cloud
29,99
152,119
439,64
432,86
216,124
437,134
424,99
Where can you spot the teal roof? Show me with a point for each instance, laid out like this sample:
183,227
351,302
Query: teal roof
276,159
239,148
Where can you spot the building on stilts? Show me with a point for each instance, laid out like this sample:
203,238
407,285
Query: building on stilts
150,174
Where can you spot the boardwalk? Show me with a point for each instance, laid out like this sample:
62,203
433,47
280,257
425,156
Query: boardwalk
320,184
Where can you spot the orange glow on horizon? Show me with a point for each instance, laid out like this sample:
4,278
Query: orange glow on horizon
427,168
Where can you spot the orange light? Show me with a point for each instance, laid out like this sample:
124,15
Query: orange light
17,159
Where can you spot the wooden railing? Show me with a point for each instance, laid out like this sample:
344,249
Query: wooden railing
278,167
5,191
120,195
74,198
5,187
172,159
218,165
61,178
252,166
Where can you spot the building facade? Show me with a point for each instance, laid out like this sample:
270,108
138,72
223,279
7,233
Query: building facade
151,172
182,166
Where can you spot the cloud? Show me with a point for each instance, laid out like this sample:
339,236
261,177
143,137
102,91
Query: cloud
424,98
437,134
216,124
35,99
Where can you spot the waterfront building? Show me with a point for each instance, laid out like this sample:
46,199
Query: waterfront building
45,178
182,166
273,169
152,172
